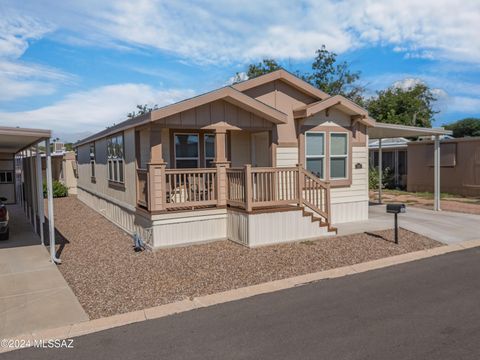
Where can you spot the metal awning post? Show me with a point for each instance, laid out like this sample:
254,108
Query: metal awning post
40,208
51,223
436,171
380,171
34,189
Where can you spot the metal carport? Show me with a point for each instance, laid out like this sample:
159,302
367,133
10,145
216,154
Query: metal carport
385,131
20,148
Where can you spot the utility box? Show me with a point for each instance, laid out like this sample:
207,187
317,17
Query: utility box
396,208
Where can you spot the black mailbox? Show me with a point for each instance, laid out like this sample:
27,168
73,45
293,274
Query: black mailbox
396,208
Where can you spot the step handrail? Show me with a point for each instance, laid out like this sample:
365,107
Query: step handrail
320,203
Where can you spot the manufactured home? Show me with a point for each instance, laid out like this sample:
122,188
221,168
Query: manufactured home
267,160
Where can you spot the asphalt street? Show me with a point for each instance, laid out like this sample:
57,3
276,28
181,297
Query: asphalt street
427,309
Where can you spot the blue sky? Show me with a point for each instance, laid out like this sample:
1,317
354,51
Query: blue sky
79,66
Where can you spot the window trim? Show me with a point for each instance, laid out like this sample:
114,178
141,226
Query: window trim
346,156
93,162
117,182
11,172
324,156
186,158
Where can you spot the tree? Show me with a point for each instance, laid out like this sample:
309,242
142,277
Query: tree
334,78
327,75
465,127
142,110
264,67
406,106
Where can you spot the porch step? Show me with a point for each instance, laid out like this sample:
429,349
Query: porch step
320,221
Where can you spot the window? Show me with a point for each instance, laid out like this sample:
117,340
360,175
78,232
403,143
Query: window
209,141
315,153
92,160
6,176
186,151
115,158
338,155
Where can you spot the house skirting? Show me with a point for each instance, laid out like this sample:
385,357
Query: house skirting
268,228
199,226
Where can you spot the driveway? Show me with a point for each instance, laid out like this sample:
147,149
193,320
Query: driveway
444,226
33,293
426,309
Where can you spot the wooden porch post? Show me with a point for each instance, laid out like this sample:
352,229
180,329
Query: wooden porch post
248,187
300,182
222,164
156,171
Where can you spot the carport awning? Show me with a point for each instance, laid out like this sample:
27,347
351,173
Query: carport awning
385,131
13,140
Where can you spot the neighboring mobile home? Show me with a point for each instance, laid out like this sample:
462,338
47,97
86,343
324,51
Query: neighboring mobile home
459,166
267,160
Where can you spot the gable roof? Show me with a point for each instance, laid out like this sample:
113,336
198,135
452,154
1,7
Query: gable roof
226,93
339,101
285,76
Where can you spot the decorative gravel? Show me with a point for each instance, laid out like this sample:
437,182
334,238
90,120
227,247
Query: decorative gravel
108,277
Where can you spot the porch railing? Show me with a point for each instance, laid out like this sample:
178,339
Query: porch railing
248,188
190,188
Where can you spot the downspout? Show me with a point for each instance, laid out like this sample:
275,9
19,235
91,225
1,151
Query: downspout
51,223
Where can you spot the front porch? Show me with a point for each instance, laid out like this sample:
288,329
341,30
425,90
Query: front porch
160,190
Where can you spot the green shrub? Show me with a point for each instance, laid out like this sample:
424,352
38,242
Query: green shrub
59,190
388,178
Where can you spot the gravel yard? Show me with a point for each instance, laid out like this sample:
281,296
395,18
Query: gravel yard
108,277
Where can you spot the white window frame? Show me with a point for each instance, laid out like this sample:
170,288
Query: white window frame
117,164
324,156
205,135
346,156
186,158
92,160
5,172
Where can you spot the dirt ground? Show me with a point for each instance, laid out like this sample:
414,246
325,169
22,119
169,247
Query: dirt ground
108,277
449,202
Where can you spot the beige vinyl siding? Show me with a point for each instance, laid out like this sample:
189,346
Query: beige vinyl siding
358,191
101,186
334,118
287,156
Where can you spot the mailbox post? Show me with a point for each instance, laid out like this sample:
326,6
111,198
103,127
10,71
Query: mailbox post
396,209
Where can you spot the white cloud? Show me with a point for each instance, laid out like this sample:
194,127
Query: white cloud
407,83
20,79
206,31
92,110
240,76
464,104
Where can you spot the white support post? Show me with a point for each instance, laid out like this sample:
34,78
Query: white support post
380,171
436,171
34,189
51,223
41,210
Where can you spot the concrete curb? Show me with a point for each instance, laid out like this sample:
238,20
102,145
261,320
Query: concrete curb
92,326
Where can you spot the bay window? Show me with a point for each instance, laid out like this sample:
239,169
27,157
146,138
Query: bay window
315,153
338,155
